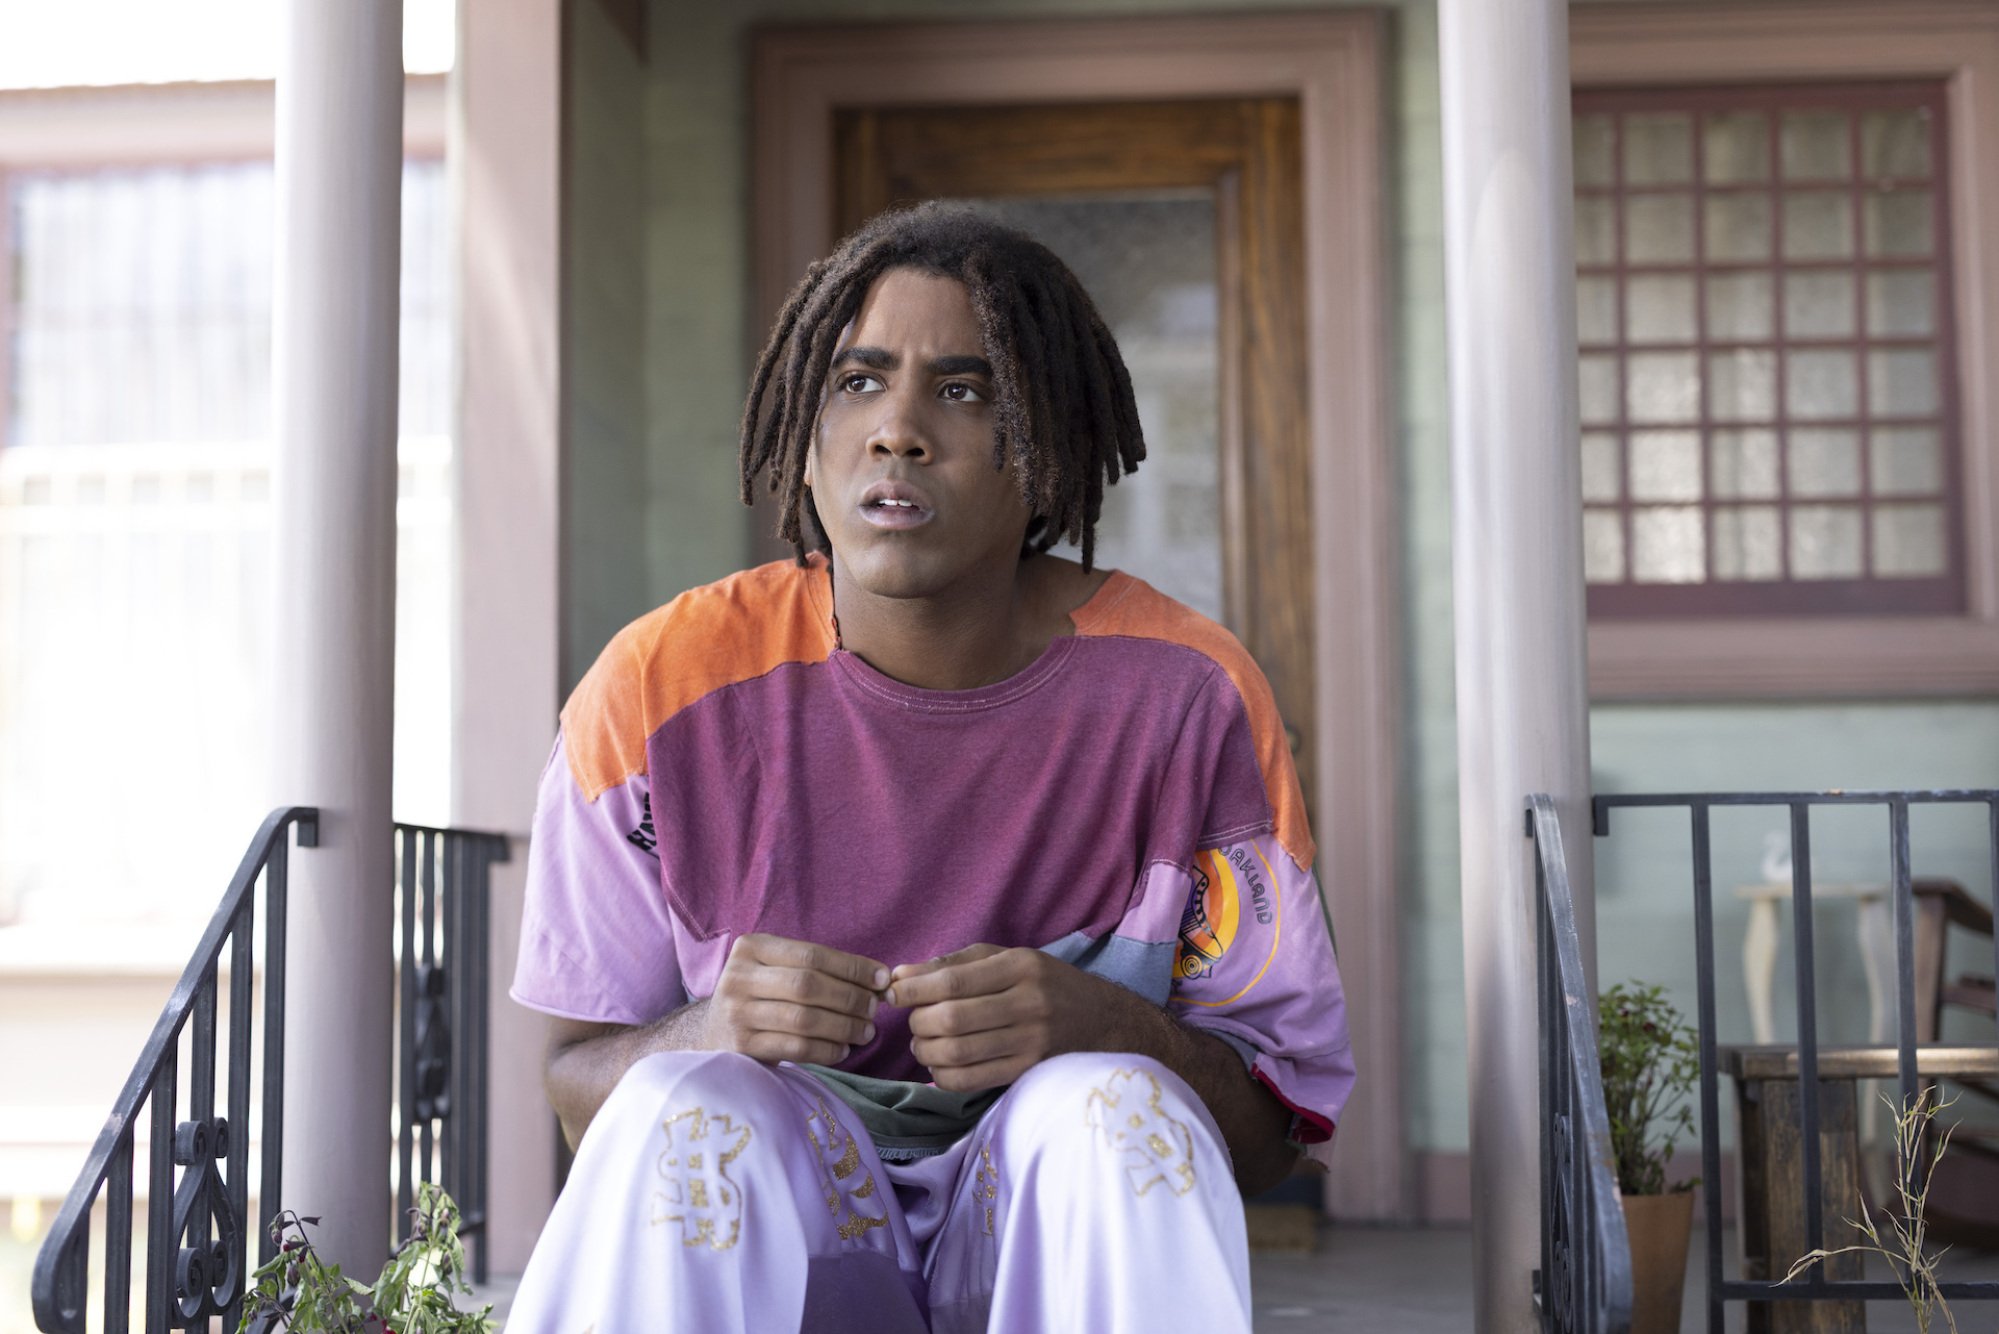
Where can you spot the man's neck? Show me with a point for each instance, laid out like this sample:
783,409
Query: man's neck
975,638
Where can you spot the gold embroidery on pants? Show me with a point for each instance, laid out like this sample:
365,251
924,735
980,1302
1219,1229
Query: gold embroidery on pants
1156,1147
839,1162
703,1199
856,1224
987,1183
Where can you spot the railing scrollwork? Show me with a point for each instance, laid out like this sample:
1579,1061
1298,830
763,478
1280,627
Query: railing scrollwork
188,1108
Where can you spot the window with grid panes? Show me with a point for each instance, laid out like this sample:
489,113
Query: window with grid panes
1766,372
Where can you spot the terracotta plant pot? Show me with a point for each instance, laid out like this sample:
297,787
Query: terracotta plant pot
1659,1226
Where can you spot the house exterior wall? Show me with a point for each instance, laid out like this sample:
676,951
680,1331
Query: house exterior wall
697,339
604,199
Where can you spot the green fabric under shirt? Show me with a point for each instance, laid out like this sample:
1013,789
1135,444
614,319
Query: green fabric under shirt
905,1119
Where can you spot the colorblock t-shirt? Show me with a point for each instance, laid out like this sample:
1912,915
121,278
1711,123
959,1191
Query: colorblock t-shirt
1126,802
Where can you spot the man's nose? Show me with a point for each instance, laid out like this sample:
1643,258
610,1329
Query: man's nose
898,431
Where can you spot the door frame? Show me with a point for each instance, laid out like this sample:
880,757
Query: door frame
1330,62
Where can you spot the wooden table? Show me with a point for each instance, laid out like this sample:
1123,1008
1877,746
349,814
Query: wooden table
1770,1152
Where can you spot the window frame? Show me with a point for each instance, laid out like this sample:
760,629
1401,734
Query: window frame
137,127
1804,655
156,125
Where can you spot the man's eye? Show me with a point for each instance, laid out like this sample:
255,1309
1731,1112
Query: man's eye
960,392
859,384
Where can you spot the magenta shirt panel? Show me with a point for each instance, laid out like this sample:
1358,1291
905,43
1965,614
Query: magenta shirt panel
827,802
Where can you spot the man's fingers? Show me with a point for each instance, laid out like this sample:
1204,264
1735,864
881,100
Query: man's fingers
954,978
870,974
774,983
804,1021
775,1047
973,1078
968,1050
965,955
978,1014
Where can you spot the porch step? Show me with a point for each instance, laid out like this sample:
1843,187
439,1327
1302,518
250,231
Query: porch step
1283,1228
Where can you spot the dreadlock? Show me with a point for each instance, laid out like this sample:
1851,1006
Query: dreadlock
1063,412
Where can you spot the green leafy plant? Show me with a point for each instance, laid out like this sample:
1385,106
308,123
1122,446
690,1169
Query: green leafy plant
1650,1059
1908,1254
300,1292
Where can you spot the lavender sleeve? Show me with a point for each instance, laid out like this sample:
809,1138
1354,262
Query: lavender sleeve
598,941
1255,967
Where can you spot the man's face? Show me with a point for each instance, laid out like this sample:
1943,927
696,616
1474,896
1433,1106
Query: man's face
902,468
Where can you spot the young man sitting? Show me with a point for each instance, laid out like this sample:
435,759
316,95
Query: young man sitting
928,923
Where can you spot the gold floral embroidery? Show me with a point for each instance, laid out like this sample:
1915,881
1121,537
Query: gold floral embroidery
987,1187
1156,1147
706,1203
840,1160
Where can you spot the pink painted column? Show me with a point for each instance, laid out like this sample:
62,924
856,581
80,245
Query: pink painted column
1516,536
505,153
339,184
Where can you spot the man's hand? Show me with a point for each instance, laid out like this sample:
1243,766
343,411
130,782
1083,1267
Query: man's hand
983,1016
777,1000
786,1000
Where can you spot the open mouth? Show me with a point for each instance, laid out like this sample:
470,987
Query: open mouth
894,504
894,512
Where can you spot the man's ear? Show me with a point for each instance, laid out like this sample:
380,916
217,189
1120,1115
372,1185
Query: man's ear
808,468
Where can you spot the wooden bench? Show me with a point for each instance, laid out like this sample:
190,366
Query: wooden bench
1770,1151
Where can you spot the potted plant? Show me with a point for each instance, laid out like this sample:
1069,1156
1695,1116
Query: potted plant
300,1292
1650,1060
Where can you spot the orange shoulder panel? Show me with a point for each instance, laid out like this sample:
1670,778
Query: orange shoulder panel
1132,607
736,629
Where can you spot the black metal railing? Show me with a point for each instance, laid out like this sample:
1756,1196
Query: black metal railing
1584,1283
197,1212
443,916
1815,1285
197,1163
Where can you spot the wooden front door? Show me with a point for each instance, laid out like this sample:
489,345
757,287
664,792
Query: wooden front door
1185,220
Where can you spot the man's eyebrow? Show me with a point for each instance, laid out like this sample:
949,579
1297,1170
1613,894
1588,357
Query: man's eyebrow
961,365
881,359
874,358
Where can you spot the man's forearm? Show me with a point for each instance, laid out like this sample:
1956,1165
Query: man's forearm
586,1062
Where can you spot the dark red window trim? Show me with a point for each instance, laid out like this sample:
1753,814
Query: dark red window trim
1626,598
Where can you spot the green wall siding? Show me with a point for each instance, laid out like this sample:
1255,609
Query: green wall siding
606,565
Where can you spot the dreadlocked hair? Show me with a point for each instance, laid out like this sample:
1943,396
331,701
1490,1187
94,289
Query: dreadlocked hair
1063,412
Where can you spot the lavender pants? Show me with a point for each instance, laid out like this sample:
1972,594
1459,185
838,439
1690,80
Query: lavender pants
713,1193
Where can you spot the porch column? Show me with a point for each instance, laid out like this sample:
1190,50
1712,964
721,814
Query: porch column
1523,721
339,177
506,151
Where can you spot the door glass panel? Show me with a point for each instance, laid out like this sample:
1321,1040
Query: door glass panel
1147,258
